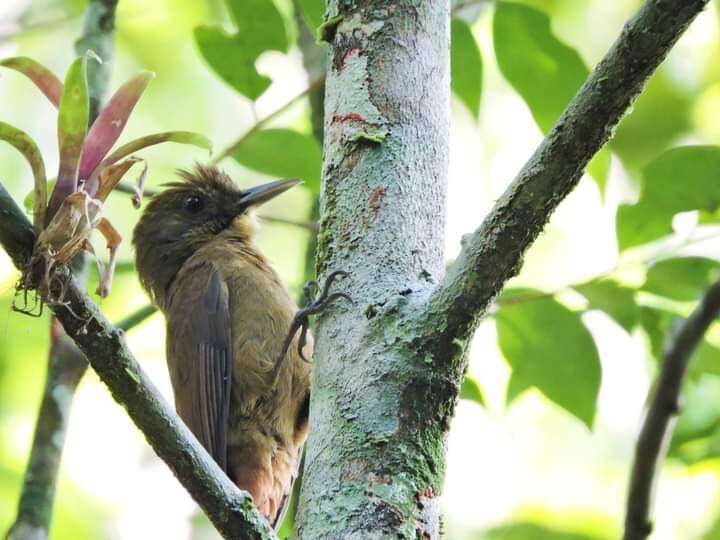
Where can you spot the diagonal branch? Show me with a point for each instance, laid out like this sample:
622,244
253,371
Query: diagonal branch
493,253
231,510
656,430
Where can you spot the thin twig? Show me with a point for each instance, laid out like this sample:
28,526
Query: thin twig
656,431
314,85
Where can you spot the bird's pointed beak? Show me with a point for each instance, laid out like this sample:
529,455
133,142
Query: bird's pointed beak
255,196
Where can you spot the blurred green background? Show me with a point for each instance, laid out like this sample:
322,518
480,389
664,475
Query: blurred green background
541,443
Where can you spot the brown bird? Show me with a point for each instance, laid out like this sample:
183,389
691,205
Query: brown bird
238,384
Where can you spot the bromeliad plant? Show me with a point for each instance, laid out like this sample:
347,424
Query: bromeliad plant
87,173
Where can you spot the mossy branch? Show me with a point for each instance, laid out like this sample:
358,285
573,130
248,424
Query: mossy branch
493,253
231,510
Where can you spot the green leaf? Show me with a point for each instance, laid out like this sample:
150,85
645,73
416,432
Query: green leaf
697,434
681,278
471,391
260,27
466,66
72,126
282,153
614,299
24,144
644,133
313,11
180,137
656,323
546,72
680,180
549,348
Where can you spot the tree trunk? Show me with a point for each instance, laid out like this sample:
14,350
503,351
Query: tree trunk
375,458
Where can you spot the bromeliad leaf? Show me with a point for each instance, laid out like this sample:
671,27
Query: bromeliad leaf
549,348
72,126
27,147
44,79
106,130
181,137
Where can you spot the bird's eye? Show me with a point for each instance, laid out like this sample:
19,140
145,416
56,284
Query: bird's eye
193,203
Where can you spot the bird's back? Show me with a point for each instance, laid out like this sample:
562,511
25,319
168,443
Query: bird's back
267,417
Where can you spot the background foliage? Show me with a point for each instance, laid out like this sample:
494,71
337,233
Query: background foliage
541,445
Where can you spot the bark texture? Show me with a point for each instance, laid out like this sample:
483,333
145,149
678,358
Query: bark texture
388,369
664,407
373,464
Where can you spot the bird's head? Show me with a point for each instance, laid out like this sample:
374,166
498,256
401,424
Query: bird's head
190,213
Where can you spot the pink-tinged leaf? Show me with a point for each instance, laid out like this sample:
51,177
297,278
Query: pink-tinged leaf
106,130
72,126
27,147
44,79
181,137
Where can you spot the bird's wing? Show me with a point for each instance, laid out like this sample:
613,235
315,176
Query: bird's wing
200,355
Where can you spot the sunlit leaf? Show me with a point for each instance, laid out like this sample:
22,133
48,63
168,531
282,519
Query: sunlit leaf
466,66
471,391
543,70
697,434
549,348
680,180
106,130
283,153
72,126
44,79
313,11
260,27
614,299
644,133
682,278
24,144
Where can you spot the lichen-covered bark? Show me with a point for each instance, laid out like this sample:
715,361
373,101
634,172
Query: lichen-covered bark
375,460
388,369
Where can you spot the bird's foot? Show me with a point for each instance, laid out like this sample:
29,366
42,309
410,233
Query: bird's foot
316,303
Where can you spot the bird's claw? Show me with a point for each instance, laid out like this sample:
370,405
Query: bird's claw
316,303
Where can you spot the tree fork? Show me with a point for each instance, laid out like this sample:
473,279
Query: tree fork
387,373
